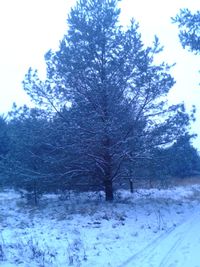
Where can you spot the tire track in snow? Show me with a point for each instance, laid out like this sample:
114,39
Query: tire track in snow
159,252
150,247
186,254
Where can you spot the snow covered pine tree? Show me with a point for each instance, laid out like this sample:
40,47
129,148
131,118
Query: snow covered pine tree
118,94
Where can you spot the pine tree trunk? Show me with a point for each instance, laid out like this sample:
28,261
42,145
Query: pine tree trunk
131,185
109,190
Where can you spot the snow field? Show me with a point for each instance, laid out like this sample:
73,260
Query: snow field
83,230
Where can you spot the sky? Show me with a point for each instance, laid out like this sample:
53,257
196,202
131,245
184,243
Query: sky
29,28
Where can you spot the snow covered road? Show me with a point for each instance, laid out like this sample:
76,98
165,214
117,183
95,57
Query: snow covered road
179,247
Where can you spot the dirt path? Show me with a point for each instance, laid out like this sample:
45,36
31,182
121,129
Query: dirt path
179,247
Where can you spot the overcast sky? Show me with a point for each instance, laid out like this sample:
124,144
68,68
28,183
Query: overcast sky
29,28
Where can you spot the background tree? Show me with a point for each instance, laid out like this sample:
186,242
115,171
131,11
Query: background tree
179,160
189,25
4,138
4,148
182,159
24,158
117,94
28,164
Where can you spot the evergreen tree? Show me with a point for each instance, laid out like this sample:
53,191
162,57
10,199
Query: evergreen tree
4,148
189,25
180,160
117,94
183,159
28,136
4,138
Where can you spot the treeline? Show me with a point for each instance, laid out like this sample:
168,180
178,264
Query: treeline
36,154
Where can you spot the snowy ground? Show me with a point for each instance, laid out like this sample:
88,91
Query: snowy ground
150,228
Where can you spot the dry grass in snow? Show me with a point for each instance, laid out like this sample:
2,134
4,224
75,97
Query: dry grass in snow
83,230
